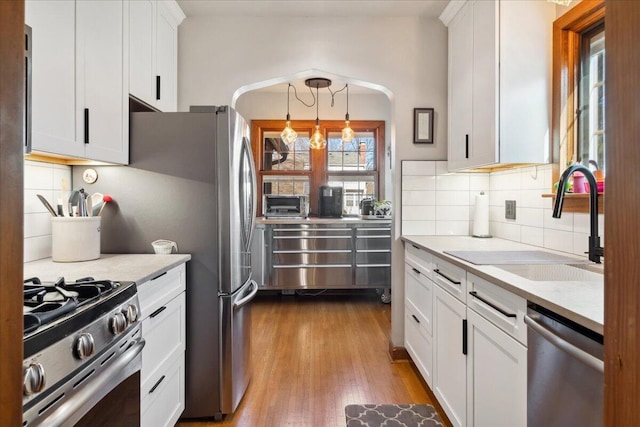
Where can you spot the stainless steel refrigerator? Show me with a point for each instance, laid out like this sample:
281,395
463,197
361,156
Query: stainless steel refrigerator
191,179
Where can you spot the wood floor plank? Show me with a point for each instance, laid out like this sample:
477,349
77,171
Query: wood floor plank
312,356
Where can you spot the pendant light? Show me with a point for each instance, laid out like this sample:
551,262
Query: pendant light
288,135
317,141
347,133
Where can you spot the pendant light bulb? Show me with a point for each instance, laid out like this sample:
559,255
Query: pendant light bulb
347,133
317,141
288,135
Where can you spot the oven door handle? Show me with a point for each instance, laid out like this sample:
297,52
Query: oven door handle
103,381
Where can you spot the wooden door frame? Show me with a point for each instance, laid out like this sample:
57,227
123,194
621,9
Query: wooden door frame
622,245
11,208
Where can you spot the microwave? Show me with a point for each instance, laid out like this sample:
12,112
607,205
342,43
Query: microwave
281,206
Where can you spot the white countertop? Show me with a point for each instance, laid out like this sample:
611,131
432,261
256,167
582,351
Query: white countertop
134,267
580,301
316,220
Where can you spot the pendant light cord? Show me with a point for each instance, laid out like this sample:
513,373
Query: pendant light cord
315,96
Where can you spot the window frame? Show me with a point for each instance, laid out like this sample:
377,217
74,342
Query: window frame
567,34
319,172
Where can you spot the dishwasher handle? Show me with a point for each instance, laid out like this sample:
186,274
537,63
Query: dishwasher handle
570,349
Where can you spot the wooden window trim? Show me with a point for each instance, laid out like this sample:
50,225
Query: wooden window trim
318,159
567,31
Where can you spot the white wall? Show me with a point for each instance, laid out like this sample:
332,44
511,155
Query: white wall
45,179
273,106
427,187
405,55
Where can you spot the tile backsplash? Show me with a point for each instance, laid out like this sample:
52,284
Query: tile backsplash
435,202
45,179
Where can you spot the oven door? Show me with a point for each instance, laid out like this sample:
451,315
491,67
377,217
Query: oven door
98,397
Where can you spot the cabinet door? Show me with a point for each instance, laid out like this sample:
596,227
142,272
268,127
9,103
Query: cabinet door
419,344
166,60
484,147
496,376
460,86
449,372
142,39
102,37
418,293
53,77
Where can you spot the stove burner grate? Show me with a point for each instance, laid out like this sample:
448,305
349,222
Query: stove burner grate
44,303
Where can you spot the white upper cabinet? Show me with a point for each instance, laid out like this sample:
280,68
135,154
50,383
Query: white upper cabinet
102,58
154,52
80,78
499,82
53,77
142,42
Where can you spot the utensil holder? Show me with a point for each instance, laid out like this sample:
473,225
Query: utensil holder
75,238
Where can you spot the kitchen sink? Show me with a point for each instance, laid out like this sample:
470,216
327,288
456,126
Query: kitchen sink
555,272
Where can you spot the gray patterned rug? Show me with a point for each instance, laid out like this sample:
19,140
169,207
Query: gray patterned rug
392,416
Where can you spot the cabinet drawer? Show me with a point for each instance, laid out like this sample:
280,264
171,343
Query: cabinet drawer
501,307
373,276
368,258
301,277
374,231
164,332
373,242
154,293
311,257
451,278
296,242
418,258
419,296
419,345
162,400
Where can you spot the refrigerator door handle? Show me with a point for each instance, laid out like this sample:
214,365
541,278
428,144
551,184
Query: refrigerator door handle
248,298
254,190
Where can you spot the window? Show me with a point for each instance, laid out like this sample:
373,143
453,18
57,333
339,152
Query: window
591,139
357,166
578,85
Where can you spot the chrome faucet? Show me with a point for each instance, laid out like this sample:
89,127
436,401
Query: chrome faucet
595,250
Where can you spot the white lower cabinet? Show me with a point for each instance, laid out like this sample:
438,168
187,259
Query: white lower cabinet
419,311
162,377
449,360
467,338
164,402
496,376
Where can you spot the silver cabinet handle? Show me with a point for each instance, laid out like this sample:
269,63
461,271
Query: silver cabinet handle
563,345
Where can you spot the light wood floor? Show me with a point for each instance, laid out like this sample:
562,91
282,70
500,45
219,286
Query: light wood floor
314,355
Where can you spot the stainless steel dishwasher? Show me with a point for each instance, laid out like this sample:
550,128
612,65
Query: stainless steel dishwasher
565,385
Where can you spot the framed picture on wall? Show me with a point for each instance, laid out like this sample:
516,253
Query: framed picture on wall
423,125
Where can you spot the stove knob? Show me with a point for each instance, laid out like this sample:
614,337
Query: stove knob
117,323
84,346
132,313
34,379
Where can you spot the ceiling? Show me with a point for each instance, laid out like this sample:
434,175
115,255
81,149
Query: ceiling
314,8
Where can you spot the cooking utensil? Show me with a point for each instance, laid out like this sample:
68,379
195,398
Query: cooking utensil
47,205
73,201
106,199
95,200
82,203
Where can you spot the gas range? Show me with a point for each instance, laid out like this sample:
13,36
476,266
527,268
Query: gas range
75,332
